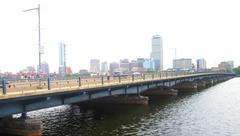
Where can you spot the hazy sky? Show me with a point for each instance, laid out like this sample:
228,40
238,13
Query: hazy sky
114,29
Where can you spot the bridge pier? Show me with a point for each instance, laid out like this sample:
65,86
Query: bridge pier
209,82
161,91
23,115
215,81
222,79
201,85
20,127
186,87
123,99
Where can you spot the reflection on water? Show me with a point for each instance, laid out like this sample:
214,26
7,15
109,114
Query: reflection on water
214,111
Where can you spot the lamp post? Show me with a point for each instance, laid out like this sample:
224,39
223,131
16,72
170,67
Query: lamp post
40,50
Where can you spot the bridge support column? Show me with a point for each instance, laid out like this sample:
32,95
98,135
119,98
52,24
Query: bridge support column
123,99
23,115
20,127
201,85
186,86
161,91
209,82
215,81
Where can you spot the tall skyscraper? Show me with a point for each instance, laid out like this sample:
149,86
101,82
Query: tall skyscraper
201,64
62,59
157,52
95,65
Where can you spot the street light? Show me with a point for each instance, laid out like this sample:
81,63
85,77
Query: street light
40,49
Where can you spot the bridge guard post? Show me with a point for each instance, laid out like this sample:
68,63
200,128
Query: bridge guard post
102,80
49,84
4,87
119,79
79,81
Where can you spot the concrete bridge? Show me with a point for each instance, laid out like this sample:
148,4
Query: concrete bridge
131,91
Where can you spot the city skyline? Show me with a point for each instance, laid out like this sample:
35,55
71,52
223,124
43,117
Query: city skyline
106,36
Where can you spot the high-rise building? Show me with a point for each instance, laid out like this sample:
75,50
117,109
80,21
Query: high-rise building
95,65
201,64
62,59
182,64
104,67
113,67
62,54
157,52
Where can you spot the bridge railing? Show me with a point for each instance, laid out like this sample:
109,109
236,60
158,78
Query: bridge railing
20,87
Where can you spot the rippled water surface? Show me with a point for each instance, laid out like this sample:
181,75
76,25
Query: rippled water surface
212,112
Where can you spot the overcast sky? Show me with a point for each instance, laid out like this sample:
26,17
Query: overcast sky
114,29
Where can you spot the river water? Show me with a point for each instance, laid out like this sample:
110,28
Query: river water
212,112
